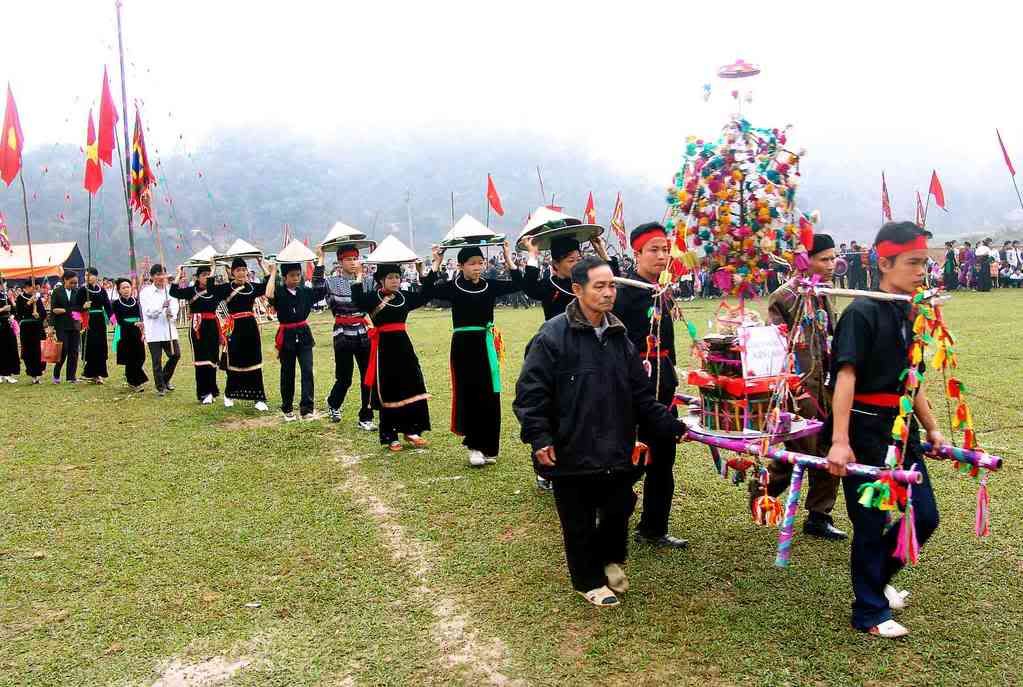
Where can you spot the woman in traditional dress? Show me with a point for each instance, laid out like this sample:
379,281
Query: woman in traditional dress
205,331
129,343
967,262
394,375
244,349
475,363
95,307
950,271
30,313
10,367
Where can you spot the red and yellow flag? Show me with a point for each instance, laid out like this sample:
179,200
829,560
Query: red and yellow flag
618,223
93,170
12,141
590,213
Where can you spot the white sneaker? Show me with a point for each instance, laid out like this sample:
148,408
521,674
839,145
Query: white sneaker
889,629
262,406
367,425
12,380
476,459
896,598
228,402
207,399
289,417
489,460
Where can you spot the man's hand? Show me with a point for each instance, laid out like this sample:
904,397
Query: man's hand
599,247
531,248
545,456
936,438
839,456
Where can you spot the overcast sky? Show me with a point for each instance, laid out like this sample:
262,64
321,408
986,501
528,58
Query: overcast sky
923,81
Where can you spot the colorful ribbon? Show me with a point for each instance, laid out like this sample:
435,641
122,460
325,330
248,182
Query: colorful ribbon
493,343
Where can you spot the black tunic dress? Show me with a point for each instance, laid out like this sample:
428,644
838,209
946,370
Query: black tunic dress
10,366
31,316
399,390
94,339
129,344
476,400
205,335
244,349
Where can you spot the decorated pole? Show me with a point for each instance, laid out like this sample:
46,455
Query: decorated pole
127,147
978,459
788,524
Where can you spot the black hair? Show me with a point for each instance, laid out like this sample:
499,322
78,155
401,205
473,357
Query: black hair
92,270
900,232
202,269
155,270
121,280
68,275
581,270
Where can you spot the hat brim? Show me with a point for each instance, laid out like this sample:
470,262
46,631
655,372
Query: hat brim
475,242
359,244
244,256
582,233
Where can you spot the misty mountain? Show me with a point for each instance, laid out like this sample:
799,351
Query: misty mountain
249,184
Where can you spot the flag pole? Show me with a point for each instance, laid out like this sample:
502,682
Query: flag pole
543,196
452,207
1016,186
88,230
127,145
28,234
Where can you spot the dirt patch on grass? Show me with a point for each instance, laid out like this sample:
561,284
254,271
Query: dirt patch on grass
461,647
212,671
258,422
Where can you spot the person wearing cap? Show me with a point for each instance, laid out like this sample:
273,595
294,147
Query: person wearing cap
94,305
30,313
580,395
351,340
294,342
10,367
869,355
244,359
65,321
652,332
394,375
475,348
160,315
787,307
205,332
555,290
129,333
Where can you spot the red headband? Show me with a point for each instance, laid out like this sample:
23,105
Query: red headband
642,239
349,253
889,249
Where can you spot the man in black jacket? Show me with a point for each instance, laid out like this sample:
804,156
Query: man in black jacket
67,329
579,397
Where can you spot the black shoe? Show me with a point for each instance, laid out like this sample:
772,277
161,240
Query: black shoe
666,541
824,530
334,413
544,484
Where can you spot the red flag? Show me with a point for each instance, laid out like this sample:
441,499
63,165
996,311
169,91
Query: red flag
1005,154
107,122
12,141
919,211
590,213
93,170
886,206
493,198
936,191
141,174
618,222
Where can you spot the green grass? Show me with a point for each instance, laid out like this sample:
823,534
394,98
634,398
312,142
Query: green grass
134,530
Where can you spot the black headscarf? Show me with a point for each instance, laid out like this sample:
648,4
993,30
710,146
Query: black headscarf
821,242
562,246
238,262
384,269
467,253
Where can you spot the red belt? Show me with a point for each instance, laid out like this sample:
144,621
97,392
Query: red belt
349,319
880,399
283,327
374,342
231,317
199,317
662,353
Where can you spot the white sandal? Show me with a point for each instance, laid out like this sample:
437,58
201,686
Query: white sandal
601,596
889,629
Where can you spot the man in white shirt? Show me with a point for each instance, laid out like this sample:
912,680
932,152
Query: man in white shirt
159,315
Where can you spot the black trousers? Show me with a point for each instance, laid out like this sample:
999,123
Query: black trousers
304,356
658,484
162,373
71,339
344,369
590,546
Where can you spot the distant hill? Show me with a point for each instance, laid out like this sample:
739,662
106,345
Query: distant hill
250,183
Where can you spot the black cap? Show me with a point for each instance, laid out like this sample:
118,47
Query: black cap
385,268
467,253
238,262
563,246
821,242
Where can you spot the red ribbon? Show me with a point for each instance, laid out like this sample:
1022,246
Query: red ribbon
374,343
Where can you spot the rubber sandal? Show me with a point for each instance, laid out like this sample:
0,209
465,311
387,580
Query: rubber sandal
601,596
394,447
417,441
889,629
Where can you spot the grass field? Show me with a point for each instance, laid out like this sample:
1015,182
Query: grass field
138,535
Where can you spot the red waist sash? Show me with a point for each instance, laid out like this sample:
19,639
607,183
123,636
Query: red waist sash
374,343
880,399
285,326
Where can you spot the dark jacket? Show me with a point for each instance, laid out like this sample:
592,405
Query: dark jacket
633,306
59,299
584,396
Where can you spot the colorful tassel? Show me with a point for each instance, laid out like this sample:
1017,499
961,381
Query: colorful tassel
908,549
982,525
